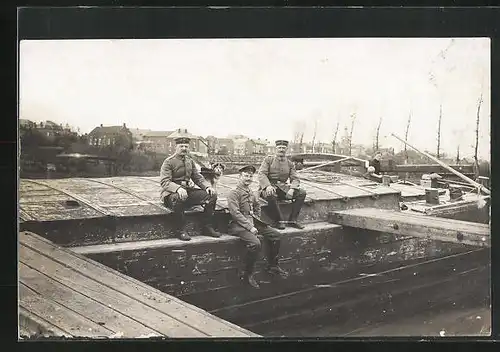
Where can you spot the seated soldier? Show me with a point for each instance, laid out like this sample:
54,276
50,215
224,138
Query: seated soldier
178,193
244,208
274,172
371,175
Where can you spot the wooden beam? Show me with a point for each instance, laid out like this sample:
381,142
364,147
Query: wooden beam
416,225
428,168
325,164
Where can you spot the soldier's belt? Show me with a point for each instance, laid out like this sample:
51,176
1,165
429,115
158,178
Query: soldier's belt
181,183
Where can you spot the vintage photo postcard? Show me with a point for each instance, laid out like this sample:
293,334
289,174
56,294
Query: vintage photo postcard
280,187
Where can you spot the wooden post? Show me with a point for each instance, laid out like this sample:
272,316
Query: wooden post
431,196
386,180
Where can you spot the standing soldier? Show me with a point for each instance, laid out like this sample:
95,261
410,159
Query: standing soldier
244,208
177,192
274,172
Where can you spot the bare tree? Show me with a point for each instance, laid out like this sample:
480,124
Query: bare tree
378,133
476,161
439,130
406,135
334,142
298,134
458,154
353,119
314,133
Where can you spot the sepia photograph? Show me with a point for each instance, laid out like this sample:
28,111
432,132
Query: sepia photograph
254,188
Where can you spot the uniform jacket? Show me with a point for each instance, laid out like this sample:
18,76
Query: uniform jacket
376,164
243,204
275,170
177,170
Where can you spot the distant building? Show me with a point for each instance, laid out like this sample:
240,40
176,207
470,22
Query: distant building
240,145
226,145
164,141
270,148
48,129
109,135
157,142
297,148
138,134
321,147
255,146
223,146
197,144
25,124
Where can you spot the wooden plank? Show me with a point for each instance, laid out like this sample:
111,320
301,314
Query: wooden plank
430,168
415,218
110,296
417,225
58,211
71,194
196,240
65,319
67,296
171,306
32,325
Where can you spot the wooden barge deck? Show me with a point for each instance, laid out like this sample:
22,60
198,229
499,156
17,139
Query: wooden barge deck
334,269
65,294
75,212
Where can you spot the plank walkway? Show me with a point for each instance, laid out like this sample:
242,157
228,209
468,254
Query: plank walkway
62,293
414,224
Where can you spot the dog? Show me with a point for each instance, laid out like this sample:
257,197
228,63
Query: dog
213,174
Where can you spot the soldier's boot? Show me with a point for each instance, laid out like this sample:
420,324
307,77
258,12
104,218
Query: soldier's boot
275,212
208,216
248,275
294,214
179,224
272,259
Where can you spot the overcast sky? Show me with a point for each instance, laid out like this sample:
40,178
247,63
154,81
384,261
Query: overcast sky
261,87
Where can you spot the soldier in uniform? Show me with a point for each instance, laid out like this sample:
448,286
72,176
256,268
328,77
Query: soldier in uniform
244,208
178,173
274,172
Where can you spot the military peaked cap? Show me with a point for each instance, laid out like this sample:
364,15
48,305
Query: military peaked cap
282,142
182,140
248,168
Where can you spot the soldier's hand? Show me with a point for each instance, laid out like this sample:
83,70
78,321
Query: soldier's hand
289,194
269,191
254,230
182,193
210,191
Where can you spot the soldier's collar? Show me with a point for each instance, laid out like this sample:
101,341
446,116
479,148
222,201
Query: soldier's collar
179,156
